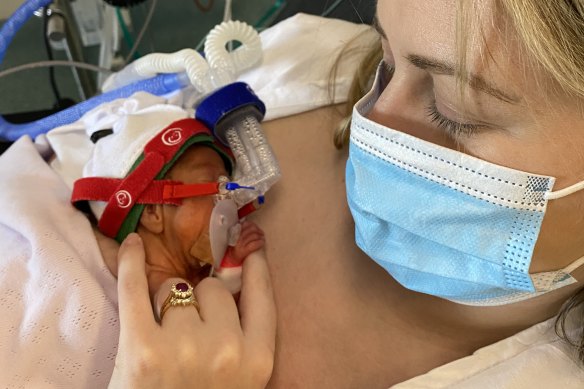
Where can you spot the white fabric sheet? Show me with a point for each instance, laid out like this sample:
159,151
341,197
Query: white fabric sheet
533,358
59,325
59,321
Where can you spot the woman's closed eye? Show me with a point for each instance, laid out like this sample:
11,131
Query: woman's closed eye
453,128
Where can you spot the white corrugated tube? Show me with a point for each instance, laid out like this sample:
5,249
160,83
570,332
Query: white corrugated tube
225,65
219,67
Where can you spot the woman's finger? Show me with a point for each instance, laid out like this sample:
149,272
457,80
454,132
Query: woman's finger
177,315
133,297
217,305
256,303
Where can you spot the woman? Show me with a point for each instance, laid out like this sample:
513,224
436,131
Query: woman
343,320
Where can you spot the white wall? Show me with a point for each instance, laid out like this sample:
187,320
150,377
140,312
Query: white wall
8,6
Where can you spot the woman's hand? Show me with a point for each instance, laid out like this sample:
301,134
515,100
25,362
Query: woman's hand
216,348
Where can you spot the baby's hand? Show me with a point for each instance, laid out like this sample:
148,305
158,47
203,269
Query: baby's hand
251,238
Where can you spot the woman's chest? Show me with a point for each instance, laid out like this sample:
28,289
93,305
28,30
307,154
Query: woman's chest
343,322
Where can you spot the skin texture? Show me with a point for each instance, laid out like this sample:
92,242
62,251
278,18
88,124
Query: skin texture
343,322
176,237
223,344
217,346
532,134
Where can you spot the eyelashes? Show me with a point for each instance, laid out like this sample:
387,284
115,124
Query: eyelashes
453,128
387,68
386,72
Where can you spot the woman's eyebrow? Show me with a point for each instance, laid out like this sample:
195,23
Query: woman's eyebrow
434,66
475,81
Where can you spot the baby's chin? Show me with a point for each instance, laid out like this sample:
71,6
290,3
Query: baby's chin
200,262
199,272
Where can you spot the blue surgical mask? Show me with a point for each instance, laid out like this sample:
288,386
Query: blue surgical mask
443,222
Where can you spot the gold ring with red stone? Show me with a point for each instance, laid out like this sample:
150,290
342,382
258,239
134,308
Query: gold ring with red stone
181,295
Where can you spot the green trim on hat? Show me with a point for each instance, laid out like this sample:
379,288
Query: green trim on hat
131,222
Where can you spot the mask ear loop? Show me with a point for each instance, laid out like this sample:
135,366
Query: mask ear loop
573,266
564,192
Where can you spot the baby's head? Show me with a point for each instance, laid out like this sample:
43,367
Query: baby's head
140,169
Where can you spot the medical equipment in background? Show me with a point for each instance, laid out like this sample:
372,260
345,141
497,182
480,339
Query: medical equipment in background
158,85
60,36
234,113
229,109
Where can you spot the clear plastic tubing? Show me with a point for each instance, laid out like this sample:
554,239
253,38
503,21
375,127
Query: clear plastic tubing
234,113
257,165
218,68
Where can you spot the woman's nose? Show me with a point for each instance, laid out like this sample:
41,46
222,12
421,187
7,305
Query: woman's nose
403,106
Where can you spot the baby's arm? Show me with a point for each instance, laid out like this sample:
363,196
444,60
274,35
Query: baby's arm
250,239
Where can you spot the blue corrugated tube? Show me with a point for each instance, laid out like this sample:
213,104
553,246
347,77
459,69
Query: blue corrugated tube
16,21
159,85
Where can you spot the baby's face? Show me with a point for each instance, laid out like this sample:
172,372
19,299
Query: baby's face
186,227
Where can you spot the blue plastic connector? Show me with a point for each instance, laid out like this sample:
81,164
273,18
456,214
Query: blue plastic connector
228,99
235,186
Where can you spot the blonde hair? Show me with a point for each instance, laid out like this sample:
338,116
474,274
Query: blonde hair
551,37
552,33
359,86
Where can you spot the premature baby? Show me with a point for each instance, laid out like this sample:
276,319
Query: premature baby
160,175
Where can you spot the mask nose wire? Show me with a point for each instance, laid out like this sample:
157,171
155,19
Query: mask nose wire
564,192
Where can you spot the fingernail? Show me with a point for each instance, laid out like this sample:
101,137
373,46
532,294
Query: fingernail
132,239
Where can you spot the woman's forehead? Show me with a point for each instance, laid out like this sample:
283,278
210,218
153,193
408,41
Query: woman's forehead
428,26
429,29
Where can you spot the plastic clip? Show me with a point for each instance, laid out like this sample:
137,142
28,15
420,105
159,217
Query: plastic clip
235,186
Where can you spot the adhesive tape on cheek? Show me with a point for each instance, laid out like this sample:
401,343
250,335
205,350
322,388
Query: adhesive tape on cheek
223,218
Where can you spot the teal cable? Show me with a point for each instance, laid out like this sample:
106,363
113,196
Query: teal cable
330,9
126,33
270,14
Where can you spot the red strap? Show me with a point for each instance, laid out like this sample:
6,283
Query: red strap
158,152
248,208
101,189
158,192
130,189
190,190
169,141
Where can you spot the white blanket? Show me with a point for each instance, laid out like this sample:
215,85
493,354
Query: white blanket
59,322
532,359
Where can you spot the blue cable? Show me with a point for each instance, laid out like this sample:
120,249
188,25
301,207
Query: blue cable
16,21
158,85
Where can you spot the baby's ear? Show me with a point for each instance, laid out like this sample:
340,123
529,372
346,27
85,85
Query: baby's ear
152,218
